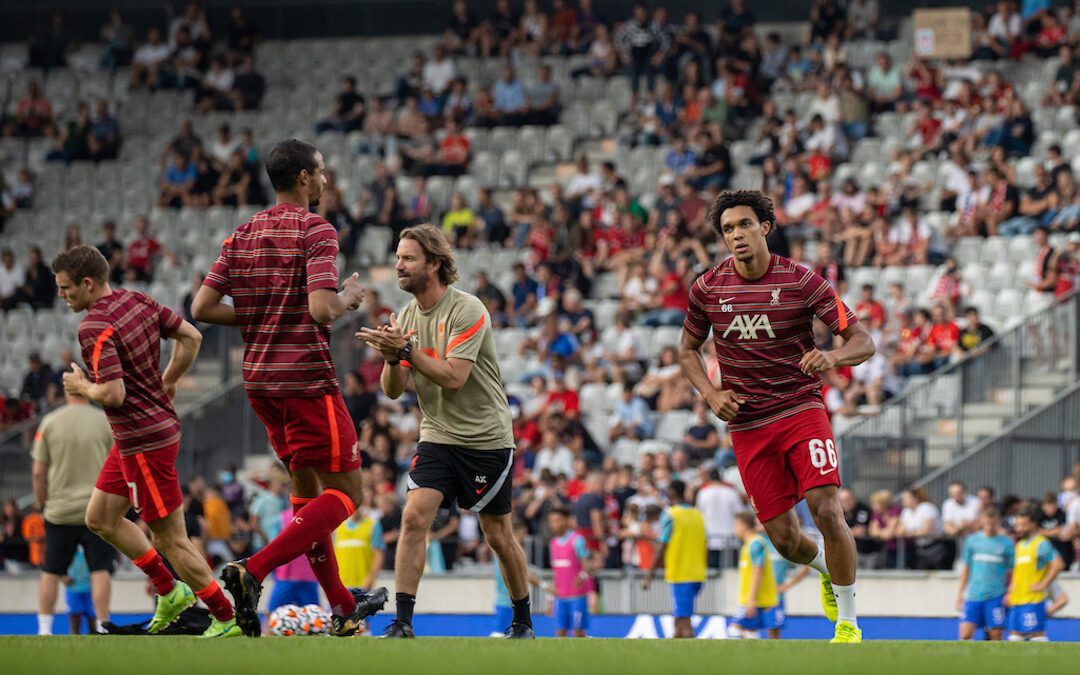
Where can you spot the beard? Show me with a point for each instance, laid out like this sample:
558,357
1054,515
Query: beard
414,283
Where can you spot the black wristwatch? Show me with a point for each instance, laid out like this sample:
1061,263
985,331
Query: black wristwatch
405,353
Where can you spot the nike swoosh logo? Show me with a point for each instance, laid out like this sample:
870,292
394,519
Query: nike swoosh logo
724,301
824,472
481,489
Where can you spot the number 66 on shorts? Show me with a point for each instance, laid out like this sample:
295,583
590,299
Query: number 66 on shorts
781,460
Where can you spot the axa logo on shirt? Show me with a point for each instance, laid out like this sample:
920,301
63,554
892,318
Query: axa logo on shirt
748,326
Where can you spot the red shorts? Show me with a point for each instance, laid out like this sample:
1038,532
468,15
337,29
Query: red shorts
314,431
780,461
147,479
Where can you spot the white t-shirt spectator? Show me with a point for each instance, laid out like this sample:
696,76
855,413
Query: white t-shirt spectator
877,366
854,203
558,460
149,55
581,183
1072,515
825,140
959,515
11,279
640,290
438,74
627,343
914,520
797,207
222,81
718,503
828,108
219,151
1004,29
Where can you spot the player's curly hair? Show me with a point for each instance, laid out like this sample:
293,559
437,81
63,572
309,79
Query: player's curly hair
758,201
436,248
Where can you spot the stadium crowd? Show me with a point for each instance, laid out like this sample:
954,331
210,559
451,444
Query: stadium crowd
722,105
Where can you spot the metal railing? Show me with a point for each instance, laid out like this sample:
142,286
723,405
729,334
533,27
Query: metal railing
937,420
1028,459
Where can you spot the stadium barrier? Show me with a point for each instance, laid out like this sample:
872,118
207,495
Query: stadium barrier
934,422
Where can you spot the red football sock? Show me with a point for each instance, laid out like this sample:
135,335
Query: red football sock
323,563
216,602
154,567
321,518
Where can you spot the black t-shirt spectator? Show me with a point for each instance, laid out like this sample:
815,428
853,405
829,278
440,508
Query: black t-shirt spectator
971,339
492,297
583,508
462,29
713,154
346,101
250,86
699,432
1058,519
861,515
735,22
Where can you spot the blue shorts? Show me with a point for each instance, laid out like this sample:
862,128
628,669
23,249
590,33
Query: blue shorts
682,598
571,613
503,617
293,593
1030,618
984,613
80,602
767,617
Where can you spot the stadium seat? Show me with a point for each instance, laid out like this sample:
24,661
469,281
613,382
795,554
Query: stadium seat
625,451
502,139
530,141
1006,302
967,250
999,276
559,144
485,167
604,119
993,250
1065,119
861,276
576,118
1025,172
1021,248
513,170
673,425
439,189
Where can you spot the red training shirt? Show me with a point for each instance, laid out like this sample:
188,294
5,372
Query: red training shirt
762,328
268,266
121,338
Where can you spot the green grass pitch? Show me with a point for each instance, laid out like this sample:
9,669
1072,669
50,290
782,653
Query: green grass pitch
477,656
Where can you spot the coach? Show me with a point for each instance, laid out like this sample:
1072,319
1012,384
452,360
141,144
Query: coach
69,450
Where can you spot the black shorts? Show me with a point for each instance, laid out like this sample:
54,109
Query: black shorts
477,480
61,542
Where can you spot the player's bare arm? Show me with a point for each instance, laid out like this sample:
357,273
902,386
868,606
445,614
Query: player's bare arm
327,306
188,341
1056,566
110,394
965,572
724,403
858,346
208,307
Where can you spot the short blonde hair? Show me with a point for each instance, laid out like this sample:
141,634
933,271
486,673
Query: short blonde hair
433,242
882,497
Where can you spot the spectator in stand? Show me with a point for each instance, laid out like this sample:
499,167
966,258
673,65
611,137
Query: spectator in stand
409,83
884,523
671,298
1005,25
490,219
719,502
103,141
22,194
524,293
439,72
12,277
641,46
33,114
185,143
885,85
974,336
510,104
213,92
119,40
1000,204
176,184
1065,89
39,289
960,512
867,304
459,222
862,19
452,157
631,418
243,34
149,60
233,186
248,87
462,30
553,457
494,299
49,47
712,163
347,113
872,383
543,99
72,143
113,250
379,130
603,58
1017,132
36,381
1052,525
920,524
13,546
940,341
143,251
1036,206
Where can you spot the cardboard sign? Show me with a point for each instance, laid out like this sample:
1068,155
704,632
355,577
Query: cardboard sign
942,33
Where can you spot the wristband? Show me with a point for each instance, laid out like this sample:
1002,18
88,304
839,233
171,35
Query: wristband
405,352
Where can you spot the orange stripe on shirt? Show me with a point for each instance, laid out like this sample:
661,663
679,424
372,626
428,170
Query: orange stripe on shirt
151,485
335,440
99,344
466,335
841,312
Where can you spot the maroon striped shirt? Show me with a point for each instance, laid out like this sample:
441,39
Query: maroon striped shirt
268,266
121,338
762,328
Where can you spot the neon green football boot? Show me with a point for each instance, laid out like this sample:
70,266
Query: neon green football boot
222,629
828,599
846,634
170,606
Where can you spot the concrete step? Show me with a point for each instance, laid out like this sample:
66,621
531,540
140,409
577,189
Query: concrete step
1029,396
